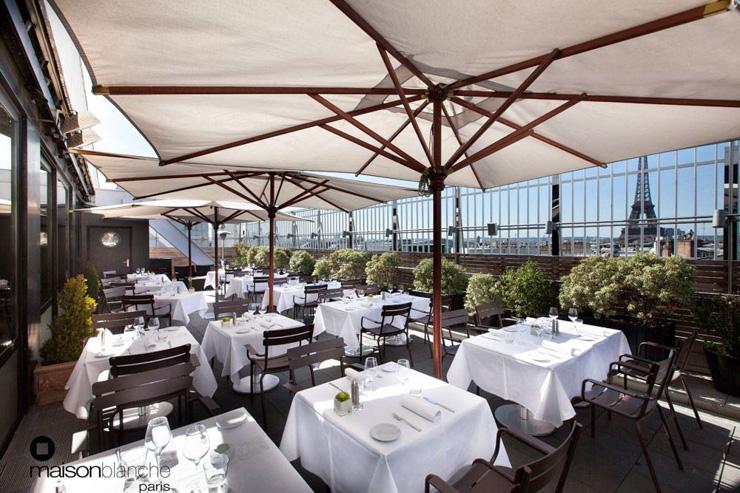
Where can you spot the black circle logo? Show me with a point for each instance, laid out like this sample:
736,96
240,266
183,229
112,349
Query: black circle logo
42,448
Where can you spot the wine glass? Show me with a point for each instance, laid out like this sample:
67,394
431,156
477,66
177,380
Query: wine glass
361,293
158,435
154,323
404,371
573,314
371,363
196,444
553,313
129,333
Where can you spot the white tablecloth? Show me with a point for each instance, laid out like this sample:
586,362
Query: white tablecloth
343,320
158,278
211,278
90,367
227,344
255,463
283,299
238,285
152,287
182,305
509,370
341,452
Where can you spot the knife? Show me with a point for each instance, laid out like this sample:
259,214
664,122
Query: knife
431,401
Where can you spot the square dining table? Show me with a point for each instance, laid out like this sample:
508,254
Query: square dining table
93,364
341,451
286,294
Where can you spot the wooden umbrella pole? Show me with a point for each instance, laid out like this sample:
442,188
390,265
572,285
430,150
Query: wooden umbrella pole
215,250
271,267
437,183
190,253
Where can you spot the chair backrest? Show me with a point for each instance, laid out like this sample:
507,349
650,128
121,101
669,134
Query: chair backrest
138,300
372,289
281,337
400,310
454,318
661,374
278,281
114,293
488,310
259,283
314,289
684,350
226,308
316,352
137,363
538,474
115,322
109,273
336,293
350,283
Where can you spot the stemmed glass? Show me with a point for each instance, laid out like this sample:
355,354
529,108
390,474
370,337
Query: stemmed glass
139,325
371,363
553,313
404,371
153,323
196,444
573,315
158,435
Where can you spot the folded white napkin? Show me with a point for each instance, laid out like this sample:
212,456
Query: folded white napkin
353,374
349,293
421,408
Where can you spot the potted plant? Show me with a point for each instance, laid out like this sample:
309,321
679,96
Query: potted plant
720,316
348,264
241,255
525,290
454,281
69,330
260,256
92,279
302,262
383,270
282,259
482,289
322,269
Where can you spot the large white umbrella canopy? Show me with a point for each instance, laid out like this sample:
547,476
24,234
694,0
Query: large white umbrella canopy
465,92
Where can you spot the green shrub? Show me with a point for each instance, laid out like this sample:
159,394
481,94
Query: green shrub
92,279
383,270
260,256
346,263
720,316
302,262
482,288
241,255
282,258
74,323
454,277
593,285
526,290
322,268
249,255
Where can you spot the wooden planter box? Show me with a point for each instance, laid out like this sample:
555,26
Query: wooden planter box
49,382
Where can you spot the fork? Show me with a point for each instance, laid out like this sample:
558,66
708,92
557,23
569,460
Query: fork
403,420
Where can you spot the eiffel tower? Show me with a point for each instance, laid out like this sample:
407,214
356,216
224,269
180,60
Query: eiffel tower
642,205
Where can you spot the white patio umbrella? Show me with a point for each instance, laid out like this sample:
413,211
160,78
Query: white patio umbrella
464,92
192,212
267,190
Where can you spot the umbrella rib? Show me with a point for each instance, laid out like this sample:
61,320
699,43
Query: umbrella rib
243,90
306,194
234,215
300,196
338,189
504,106
280,188
477,109
234,191
366,145
379,39
283,131
180,189
246,188
406,106
392,137
197,213
690,15
354,122
460,142
298,184
512,138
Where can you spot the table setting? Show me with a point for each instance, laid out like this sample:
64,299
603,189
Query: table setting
342,318
143,276
389,436
182,302
239,285
229,452
93,363
284,297
225,340
537,367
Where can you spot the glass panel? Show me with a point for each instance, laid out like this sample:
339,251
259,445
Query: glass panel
62,238
44,237
7,237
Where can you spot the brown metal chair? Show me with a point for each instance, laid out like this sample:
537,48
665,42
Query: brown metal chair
370,289
455,319
267,363
227,308
147,301
306,356
483,477
632,404
384,328
110,273
488,311
335,294
257,289
115,322
307,303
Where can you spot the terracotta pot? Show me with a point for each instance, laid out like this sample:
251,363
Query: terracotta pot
49,382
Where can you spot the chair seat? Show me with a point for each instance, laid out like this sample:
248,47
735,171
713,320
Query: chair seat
384,330
277,363
481,478
618,402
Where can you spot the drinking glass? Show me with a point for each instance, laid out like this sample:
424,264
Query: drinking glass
579,326
215,471
371,363
360,293
553,312
404,371
196,444
154,323
129,333
158,435
573,314
139,324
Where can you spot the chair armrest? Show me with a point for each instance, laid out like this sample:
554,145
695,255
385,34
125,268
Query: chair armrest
527,440
654,345
632,357
211,406
617,367
494,469
439,483
615,388
251,351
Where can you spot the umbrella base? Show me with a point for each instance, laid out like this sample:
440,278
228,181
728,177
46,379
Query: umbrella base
246,386
519,418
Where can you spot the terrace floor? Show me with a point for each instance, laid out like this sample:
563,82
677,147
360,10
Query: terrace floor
612,462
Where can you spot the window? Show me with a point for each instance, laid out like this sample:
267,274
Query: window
45,239
63,232
8,147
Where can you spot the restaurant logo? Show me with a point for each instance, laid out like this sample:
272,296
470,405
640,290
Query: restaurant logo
42,448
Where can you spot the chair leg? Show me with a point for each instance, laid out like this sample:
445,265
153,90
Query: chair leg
691,402
675,418
649,463
251,382
593,421
262,401
408,348
670,437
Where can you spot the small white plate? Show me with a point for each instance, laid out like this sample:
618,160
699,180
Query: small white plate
385,432
541,359
391,367
243,331
587,338
232,422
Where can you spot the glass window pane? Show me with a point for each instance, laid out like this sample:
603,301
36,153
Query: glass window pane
44,237
8,147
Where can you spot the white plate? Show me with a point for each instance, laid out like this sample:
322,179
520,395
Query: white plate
541,359
587,338
243,331
385,432
391,367
232,422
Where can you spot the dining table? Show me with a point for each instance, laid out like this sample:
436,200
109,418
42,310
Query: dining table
343,318
226,342
253,463
285,295
239,285
93,364
396,439
148,277
540,372
182,303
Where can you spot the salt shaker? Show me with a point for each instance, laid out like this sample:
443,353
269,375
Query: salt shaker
355,394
